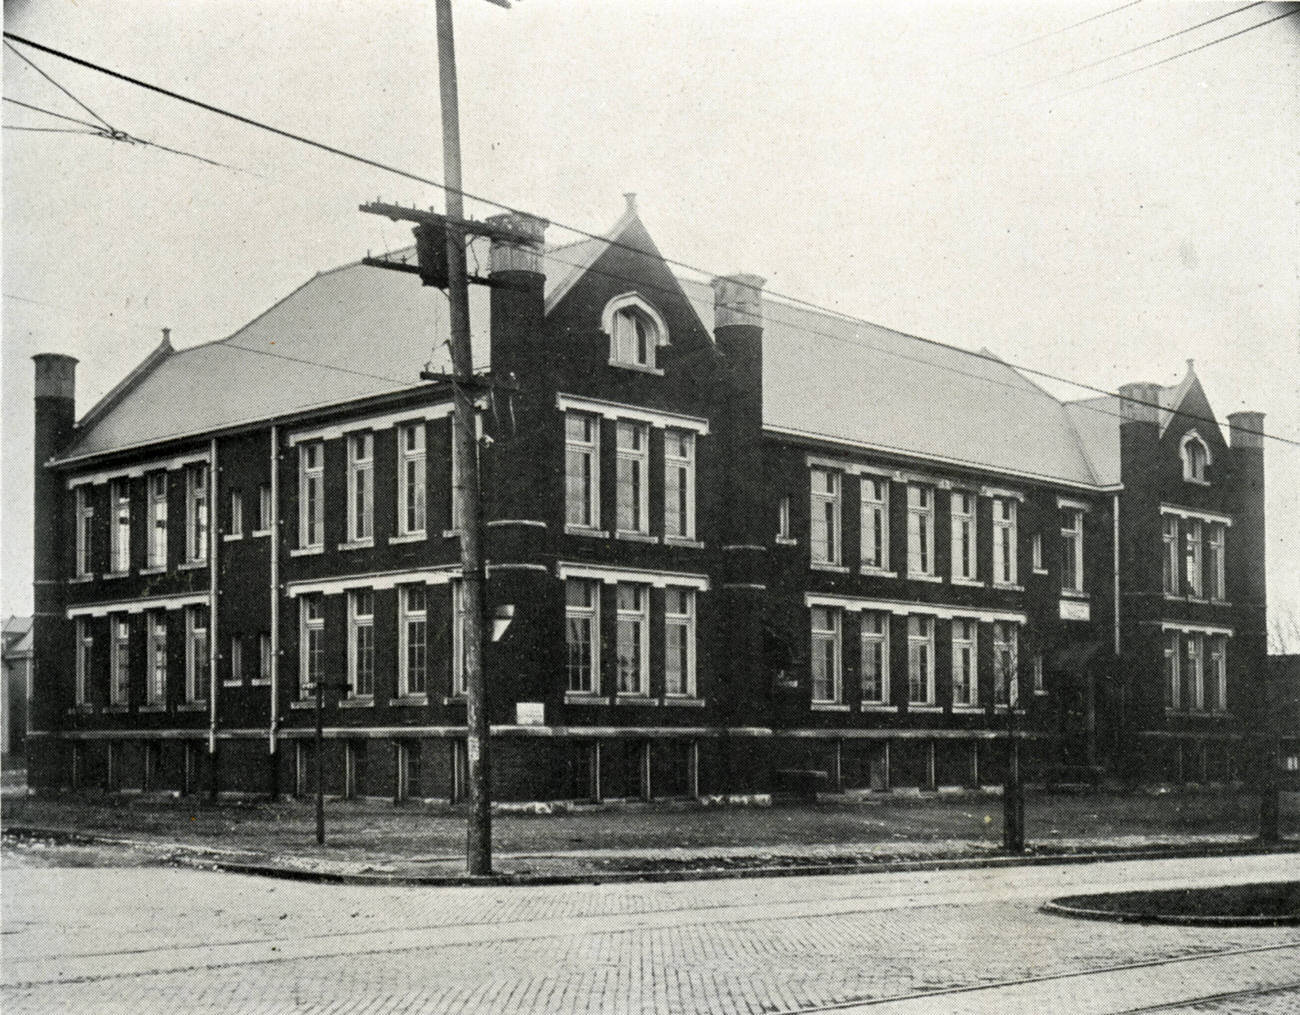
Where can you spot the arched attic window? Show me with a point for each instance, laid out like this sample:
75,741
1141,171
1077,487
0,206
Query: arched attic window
635,331
1196,456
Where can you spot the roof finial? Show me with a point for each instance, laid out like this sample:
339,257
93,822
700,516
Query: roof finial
167,336
630,198
1191,365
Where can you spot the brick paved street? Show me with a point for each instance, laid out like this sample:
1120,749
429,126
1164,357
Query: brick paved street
147,939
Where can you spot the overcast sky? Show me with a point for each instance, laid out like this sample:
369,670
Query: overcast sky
908,164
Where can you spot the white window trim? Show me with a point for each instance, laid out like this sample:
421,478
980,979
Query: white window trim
356,621
687,465
306,475
818,500
195,674
192,504
971,644
610,575
264,512
84,534
591,613
836,632
119,549
589,450
386,421
379,580
1193,559
1218,547
931,697
639,459
1013,680
153,559
618,410
924,515
361,469
404,616
1204,516
119,659
305,625
958,519
1013,548
1172,670
420,454
84,661
136,471
903,608
168,602
236,514
1184,454
643,615
157,622
865,636
1076,539
634,301
1171,560
1173,625
783,520
870,505
686,620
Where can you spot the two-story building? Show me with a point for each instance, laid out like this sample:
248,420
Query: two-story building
732,541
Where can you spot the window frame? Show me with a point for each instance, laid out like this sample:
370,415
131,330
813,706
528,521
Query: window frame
963,532
632,478
1006,680
264,512
459,671
1171,561
311,643
1006,536
197,653
920,531
1194,558
84,534
119,667
1217,549
965,661
156,504
155,686
1172,672
236,514
921,638
1216,653
831,638
629,310
589,616
684,621
878,641
361,644
361,486
1072,550
873,493
407,618
826,509
119,505
197,513
783,519
1194,656
1196,457
84,662
586,451
629,618
679,483
264,657
311,495
412,479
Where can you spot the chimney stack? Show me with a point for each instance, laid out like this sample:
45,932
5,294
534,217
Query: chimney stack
522,250
1246,429
1139,402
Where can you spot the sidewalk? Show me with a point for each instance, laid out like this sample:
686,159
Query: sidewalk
376,841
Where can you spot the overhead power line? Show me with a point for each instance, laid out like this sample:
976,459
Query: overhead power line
1179,56
1145,45
1058,31
418,178
50,112
27,60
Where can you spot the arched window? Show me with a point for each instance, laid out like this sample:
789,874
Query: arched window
1196,456
635,331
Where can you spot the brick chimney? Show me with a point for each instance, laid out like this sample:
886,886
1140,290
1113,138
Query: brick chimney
52,659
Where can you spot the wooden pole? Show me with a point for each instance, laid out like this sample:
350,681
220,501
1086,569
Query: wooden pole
465,482
320,763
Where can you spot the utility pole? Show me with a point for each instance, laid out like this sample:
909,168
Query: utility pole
465,491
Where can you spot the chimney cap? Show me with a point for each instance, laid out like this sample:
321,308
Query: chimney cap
630,197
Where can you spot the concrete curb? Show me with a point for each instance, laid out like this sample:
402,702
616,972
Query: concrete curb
216,858
1059,907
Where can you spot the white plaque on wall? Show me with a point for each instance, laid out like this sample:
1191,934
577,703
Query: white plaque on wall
1076,609
530,713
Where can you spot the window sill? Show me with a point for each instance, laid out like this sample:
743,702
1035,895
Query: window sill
192,565
454,699
232,683
635,699
112,575
1040,692
451,533
1040,570
230,537
85,708
357,544
306,551
147,709
973,583
636,537
360,701
583,698
786,541
877,572
818,565
160,569
1196,482
410,699
192,706
1075,594
693,544
967,709
81,579
259,533
640,368
407,537
878,706
117,709
916,576
683,701
260,682
828,706
924,708
582,530
1008,588
302,703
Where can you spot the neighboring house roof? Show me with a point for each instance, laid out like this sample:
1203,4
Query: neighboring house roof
17,639
359,331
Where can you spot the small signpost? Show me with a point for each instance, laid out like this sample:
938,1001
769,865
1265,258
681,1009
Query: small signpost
320,687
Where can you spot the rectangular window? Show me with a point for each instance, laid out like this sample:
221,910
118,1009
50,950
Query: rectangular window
679,641
1193,573
1215,565
156,485
361,643
196,514
413,631
1039,686
920,531
875,523
1072,550
85,513
120,500
582,626
1036,551
825,529
120,650
825,660
679,483
410,480
1173,681
633,638
264,508
1005,565
361,487
264,656
1216,685
920,659
875,658
1169,559
459,669
964,680
85,649
1195,646
963,536
311,644
311,495
1006,667
236,659
196,653
582,469
156,686
236,513
783,518
633,446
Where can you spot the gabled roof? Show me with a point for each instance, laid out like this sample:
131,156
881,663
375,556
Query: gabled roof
358,331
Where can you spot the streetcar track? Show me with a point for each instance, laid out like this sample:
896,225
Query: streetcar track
1229,995
972,988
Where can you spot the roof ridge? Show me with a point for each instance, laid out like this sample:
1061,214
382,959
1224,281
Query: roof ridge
134,376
